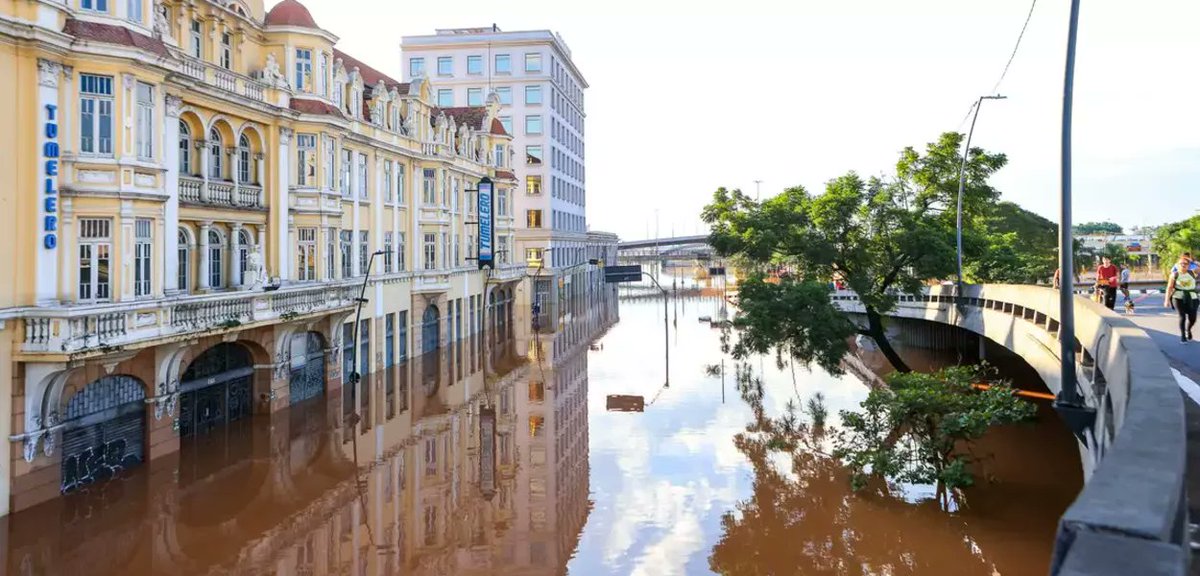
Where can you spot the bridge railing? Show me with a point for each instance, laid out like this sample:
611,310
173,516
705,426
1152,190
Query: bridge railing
1131,516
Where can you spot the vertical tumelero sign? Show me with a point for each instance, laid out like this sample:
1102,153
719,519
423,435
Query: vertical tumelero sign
50,180
486,194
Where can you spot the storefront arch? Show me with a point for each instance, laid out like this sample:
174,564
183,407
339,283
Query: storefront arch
103,431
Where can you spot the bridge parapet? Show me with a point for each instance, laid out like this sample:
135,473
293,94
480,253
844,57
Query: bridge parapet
1131,516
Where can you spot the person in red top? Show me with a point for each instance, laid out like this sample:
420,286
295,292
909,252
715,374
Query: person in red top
1107,278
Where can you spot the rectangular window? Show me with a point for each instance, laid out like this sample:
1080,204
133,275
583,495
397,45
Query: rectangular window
502,251
431,251
400,184
330,163
445,98
502,202
387,181
506,121
134,11
533,256
145,121
500,155
387,253
533,185
362,175
505,94
95,253
306,159
429,187
227,51
446,251
533,124
197,40
322,73
364,253
533,154
533,63
457,254
142,257
474,96
445,66
347,248
503,64
330,267
306,255
533,95
95,115
303,70
347,158
401,252
416,67
94,5
403,334
533,218
474,64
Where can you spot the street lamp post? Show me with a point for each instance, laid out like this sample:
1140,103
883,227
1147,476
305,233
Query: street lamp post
962,180
355,376
1069,403
666,326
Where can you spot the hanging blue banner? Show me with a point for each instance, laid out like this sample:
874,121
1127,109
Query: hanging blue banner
486,189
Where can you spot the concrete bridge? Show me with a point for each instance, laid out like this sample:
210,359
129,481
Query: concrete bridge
1132,515
661,242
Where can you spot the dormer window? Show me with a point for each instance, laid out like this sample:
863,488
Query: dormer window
134,11
94,5
303,69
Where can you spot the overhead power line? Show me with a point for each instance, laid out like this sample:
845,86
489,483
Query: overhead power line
1007,65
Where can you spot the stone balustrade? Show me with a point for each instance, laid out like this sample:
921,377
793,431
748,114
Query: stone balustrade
87,327
220,193
223,79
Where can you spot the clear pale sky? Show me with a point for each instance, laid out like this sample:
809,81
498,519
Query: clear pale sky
689,96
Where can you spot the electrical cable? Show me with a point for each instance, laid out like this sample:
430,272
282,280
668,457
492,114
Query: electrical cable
1007,65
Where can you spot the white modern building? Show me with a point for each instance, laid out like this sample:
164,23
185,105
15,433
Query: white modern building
541,93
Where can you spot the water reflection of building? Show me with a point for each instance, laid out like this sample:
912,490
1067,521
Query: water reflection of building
290,502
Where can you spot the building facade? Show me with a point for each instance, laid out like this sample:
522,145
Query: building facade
541,95
195,194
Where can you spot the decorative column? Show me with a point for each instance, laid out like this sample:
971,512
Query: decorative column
234,160
279,206
416,239
202,152
321,256
124,243
126,124
260,176
235,255
49,138
355,219
170,148
202,276
260,246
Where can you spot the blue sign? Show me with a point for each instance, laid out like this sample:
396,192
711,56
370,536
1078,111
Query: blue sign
50,181
486,190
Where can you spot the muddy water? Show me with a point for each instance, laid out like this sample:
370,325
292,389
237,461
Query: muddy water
422,486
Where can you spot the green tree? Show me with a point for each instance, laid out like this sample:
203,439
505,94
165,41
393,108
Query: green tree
1171,240
1115,252
1019,247
1097,228
883,237
920,427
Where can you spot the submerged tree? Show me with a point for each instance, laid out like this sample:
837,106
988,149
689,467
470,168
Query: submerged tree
882,237
920,427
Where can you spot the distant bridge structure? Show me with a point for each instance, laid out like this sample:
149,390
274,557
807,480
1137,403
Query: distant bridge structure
662,242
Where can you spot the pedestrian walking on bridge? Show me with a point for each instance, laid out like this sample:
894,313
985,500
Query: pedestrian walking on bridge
1181,295
1107,278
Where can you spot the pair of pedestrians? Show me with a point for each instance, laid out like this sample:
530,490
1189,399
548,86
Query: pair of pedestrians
1182,293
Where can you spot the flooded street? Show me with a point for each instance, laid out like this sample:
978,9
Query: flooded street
564,486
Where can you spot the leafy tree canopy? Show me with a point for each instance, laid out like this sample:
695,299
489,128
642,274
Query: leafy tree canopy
1097,228
882,236
1171,240
1019,247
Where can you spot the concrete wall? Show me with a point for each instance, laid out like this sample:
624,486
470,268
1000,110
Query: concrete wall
1132,510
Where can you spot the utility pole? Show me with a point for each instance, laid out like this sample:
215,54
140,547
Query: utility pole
1069,403
757,190
962,179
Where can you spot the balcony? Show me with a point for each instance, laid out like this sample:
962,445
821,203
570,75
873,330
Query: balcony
99,327
223,79
428,282
193,190
507,272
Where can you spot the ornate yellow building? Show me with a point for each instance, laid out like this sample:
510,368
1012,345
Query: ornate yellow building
193,194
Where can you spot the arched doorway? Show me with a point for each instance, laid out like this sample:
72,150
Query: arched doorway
308,368
104,431
216,389
429,330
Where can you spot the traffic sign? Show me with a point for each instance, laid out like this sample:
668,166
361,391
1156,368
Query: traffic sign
615,274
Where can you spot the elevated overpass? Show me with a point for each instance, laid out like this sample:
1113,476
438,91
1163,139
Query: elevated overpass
1132,515
662,242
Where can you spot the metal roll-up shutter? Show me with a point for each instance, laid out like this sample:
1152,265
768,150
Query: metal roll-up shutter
104,433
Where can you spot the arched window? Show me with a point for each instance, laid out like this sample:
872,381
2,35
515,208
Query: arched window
243,159
185,148
214,154
245,247
216,249
185,261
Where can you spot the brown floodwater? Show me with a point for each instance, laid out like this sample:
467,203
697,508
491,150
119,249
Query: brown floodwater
672,480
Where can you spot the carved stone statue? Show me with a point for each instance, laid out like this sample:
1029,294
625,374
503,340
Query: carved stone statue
377,111
440,126
161,28
254,270
410,120
272,75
